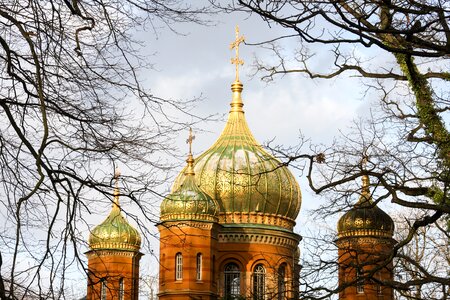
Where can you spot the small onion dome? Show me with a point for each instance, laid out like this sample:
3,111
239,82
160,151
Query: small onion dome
115,232
365,218
245,179
188,201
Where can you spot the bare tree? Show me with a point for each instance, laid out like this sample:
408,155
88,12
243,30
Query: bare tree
407,138
426,255
69,75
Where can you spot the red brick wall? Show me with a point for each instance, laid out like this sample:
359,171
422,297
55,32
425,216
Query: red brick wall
113,265
369,256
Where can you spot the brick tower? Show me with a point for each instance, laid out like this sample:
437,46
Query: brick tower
252,248
113,258
364,245
188,240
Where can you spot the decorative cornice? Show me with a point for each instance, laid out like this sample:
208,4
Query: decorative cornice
365,232
344,242
186,223
256,218
188,216
260,236
112,252
115,245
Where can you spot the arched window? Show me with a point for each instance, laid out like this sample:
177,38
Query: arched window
103,289
199,266
259,282
179,266
282,282
232,281
359,282
121,289
379,287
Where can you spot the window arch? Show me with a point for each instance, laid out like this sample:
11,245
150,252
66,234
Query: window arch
232,275
199,266
121,289
282,282
379,285
359,282
178,266
103,289
259,282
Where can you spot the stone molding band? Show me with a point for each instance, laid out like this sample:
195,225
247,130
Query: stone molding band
285,240
111,252
373,240
256,218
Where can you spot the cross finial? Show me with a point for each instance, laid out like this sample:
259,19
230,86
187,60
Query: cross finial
365,178
116,173
116,188
190,139
364,160
235,45
190,160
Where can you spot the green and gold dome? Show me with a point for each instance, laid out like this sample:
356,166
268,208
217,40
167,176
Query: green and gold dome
250,185
365,218
115,233
188,201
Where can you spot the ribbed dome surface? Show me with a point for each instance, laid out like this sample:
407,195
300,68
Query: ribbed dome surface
115,233
189,202
241,175
365,218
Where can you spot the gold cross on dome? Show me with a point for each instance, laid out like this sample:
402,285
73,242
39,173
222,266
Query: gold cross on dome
190,139
235,45
116,189
116,175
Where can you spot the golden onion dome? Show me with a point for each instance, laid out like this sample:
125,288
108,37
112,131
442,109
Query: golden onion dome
115,232
365,218
188,201
250,185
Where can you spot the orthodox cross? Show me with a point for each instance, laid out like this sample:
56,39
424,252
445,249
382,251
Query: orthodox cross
235,45
190,139
116,189
365,178
116,176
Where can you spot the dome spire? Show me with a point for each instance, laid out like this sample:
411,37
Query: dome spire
190,160
365,190
236,86
116,188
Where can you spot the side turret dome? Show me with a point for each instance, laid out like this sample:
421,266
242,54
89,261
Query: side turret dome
250,185
188,201
365,218
115,232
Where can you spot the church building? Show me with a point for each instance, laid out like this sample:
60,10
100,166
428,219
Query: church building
227,229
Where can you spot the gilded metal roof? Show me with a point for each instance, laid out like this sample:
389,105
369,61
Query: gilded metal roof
188,201
365,218
238,173
115,232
